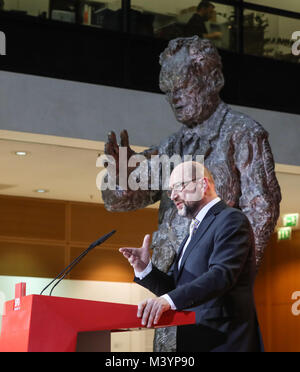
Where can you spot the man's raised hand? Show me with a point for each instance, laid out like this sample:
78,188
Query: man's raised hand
138,258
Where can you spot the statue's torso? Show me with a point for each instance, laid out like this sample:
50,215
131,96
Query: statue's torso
216,143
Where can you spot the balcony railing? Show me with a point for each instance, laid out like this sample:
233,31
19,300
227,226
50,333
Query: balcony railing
244,27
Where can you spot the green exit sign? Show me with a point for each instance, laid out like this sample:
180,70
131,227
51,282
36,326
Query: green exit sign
291,220
285,233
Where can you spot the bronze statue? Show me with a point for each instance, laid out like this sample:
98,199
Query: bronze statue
235,148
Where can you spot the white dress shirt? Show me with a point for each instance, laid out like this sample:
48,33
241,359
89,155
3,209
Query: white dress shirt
200,217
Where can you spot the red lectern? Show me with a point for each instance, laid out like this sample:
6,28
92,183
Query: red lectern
55,324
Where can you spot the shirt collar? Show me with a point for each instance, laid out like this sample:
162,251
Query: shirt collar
209,128
200,216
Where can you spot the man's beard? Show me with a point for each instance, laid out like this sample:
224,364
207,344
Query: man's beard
188,211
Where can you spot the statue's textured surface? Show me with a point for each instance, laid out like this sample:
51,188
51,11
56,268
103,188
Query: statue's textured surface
235,149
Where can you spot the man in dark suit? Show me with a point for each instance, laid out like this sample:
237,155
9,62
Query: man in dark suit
213,273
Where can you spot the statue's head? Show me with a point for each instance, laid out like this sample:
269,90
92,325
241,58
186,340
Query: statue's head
191,77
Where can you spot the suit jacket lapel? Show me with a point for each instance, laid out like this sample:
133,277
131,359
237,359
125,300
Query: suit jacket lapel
181,247
179,254
198,235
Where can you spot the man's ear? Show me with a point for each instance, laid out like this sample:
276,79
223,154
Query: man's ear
205,185
216,80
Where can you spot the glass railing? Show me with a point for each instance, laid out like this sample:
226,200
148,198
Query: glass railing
264,33
172,19
104,14
269,35
37,8
289,5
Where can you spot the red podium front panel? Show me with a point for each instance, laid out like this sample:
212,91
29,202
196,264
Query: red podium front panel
51,324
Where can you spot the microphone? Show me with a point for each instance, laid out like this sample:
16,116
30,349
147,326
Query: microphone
66,270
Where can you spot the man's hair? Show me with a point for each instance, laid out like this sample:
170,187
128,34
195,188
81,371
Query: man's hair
198,168
192,170
205,5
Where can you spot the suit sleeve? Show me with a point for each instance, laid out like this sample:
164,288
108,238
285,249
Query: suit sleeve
232,247
157,281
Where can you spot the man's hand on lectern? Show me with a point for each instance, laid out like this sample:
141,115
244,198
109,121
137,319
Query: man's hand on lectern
151,310
138,258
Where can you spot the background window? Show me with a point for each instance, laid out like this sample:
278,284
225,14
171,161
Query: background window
170,19
105,14
290,5
29,7
269,35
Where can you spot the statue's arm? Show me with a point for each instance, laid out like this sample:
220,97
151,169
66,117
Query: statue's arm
121,201
124,198
260,192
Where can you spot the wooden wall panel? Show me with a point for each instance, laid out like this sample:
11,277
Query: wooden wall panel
32,218
102,264
21,259
277,280
89,222
286,329
50,234
285,264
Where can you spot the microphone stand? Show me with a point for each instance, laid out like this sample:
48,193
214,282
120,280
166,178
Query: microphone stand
66,270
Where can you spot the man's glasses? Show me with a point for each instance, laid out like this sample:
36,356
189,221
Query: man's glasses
180,186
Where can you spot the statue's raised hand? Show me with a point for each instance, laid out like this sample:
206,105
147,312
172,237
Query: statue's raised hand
112,148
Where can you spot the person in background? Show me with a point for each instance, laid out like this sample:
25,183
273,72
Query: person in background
196,25
1,4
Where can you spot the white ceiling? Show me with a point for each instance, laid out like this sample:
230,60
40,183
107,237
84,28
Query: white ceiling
68,173
67,168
